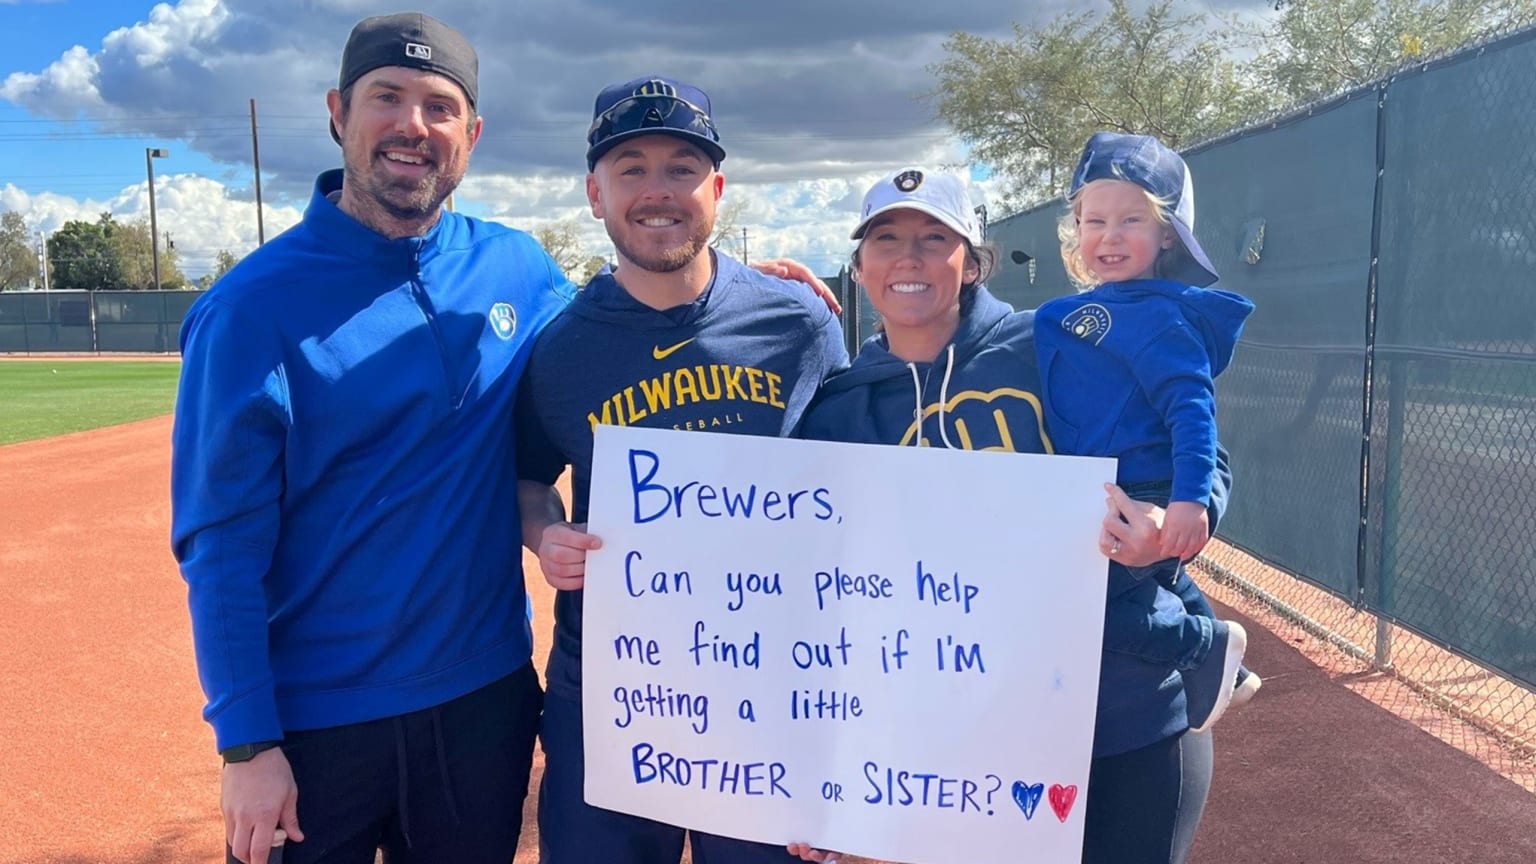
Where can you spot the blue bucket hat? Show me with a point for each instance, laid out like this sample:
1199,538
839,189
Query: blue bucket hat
1145,161
651,106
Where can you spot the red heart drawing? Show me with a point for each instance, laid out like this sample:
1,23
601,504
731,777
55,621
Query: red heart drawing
1062,798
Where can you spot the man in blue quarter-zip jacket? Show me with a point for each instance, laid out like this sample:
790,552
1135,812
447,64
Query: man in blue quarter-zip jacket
343,486
685,338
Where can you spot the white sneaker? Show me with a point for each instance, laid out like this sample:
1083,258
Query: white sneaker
1245,690
1232,657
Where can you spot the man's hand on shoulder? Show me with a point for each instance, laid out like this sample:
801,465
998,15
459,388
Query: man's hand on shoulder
786,268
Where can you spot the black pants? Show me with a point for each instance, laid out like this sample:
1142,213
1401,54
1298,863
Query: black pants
1144,806
443,785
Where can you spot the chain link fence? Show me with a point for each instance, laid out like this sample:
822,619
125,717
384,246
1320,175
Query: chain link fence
33,322
1381,411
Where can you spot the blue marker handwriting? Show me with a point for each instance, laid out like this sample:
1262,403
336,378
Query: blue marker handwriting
874,586
711,775
659,582
824,705
718,649
654,500
895,787
738,585
950,590
655,700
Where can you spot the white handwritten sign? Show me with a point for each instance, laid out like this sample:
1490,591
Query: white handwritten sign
886,651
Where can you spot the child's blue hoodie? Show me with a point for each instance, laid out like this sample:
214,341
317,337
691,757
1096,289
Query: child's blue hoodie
1128,369
982,393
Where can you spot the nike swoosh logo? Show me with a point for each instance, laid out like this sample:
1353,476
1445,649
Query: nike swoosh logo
661,353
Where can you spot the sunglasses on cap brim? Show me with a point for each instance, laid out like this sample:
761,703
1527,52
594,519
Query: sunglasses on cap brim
651,112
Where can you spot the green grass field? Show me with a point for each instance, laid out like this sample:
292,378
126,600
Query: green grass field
40,398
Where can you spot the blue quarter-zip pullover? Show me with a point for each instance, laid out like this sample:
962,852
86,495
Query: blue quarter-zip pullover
344,505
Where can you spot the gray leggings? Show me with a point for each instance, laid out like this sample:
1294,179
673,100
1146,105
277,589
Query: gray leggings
1144,806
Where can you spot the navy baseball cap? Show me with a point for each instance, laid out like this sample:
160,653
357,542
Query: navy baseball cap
415,40
1145,161
651,106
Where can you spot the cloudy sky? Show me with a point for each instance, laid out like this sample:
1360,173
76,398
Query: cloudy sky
813,99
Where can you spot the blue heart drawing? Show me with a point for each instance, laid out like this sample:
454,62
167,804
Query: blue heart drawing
1027,797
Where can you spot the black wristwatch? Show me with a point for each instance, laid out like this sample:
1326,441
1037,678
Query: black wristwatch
246,752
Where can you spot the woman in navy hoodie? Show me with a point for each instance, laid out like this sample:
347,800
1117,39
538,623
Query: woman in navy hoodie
955,367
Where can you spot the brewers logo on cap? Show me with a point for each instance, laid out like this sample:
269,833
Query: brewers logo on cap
656,88
907,181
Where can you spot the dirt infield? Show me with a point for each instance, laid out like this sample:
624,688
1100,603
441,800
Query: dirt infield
104,758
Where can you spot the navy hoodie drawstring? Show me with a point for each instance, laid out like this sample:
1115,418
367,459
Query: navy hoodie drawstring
917,412
917,401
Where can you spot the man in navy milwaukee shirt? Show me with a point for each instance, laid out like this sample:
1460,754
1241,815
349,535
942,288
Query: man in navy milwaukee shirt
676,335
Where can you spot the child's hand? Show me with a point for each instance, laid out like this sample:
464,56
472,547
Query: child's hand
1186,529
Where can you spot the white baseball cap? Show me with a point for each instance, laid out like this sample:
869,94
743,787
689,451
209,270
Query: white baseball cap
940,195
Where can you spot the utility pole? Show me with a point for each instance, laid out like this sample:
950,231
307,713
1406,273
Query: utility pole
150,155
261,232
42,258
743,244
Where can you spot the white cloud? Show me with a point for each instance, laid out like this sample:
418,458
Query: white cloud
47,212
197,212
202,218
67,87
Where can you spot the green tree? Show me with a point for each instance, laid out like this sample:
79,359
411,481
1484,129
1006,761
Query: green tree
562,241
1316,47
1026,105
728,226
18,257
589,269
82,255
130,242
224,262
